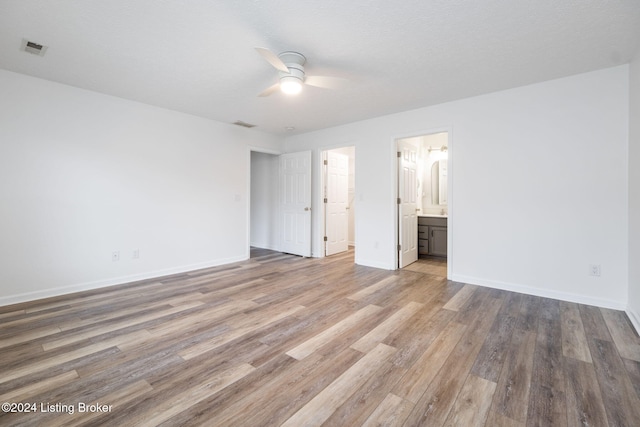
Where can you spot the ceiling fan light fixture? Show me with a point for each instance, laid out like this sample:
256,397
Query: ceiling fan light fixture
290,85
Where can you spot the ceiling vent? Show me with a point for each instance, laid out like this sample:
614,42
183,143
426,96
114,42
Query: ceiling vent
244,124
34,48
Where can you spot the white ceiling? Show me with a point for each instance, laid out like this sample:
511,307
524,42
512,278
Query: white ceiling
198,56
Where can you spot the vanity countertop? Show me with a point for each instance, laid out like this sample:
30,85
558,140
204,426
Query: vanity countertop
432,216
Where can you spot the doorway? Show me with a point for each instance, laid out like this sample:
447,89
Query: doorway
338,197
263,201
423,200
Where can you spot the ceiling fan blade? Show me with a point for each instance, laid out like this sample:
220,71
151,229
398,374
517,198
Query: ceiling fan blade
326,82
268,91
272,59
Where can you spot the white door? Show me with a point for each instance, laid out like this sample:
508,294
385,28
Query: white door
407,203
295,203
336,203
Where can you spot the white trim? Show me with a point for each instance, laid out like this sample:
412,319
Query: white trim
635,319
451,229
319,225
545,293
247,218
395,237
63,290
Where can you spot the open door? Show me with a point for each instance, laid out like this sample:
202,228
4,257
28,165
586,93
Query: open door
295,203
407,203
336,203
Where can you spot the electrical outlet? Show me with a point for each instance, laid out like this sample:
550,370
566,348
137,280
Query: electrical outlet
136,253
594,270
115,256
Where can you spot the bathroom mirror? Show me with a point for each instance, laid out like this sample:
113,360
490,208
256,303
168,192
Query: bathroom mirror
439,182
435,183
442,181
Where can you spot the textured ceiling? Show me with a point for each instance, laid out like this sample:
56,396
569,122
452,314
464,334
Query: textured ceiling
198,56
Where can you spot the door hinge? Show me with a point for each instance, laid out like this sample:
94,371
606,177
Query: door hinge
399,248
325,238
399,201
326,200
325,162
399,154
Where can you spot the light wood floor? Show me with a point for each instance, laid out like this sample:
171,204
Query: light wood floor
282,340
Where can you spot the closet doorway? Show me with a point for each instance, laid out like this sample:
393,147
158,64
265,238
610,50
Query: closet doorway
338,200
263,202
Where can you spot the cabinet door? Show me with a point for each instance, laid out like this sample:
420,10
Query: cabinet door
438,241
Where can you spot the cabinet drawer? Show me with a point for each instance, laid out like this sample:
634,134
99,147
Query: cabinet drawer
423,231
423,247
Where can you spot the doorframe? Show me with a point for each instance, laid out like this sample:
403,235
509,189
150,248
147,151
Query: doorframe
263,150
319,187
450,191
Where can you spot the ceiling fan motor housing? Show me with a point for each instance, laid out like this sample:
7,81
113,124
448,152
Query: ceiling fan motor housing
295,63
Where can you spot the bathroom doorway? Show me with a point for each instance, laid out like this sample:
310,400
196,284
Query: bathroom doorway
423,202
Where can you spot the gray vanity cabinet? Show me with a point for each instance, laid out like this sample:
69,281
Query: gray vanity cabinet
432,236
438,241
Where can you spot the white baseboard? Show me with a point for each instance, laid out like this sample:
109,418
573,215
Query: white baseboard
546,293
635,319
47,293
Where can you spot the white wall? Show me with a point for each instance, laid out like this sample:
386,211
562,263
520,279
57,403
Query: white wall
264,200
84,174
538,185
634,193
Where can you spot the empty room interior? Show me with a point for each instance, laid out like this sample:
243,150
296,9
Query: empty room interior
362,213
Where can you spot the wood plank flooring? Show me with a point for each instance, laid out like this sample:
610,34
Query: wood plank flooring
282,340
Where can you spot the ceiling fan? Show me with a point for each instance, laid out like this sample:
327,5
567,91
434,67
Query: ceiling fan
291,73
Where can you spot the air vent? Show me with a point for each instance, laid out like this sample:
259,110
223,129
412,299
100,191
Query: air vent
244,124
33,47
